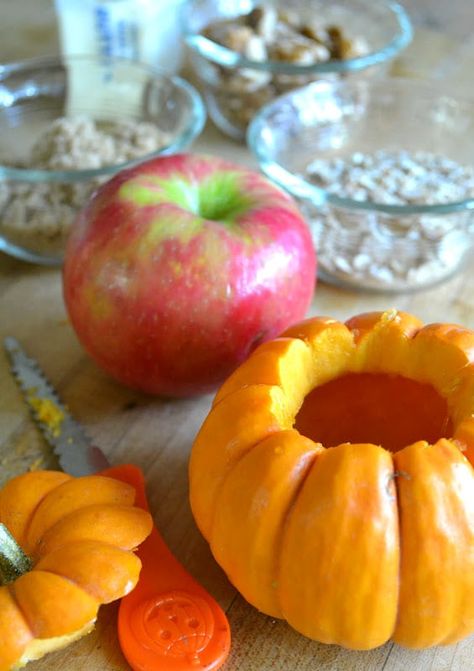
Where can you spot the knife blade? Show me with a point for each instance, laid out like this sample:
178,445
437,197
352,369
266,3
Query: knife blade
74,449
164,585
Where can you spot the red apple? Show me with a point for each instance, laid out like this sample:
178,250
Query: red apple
179,267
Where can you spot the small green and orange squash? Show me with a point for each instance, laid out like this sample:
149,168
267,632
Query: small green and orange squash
334,480
66,547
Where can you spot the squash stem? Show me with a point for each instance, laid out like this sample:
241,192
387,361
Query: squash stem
13,561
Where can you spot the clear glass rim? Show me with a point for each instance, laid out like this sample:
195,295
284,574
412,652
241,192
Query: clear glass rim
301,188
24,254
232,59
193,129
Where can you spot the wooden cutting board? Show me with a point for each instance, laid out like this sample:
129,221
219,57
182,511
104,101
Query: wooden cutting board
157,435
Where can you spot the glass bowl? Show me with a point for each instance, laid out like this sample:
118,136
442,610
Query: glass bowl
264,64
368,237
66,126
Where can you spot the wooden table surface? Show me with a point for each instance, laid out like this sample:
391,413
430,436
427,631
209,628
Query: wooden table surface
157,434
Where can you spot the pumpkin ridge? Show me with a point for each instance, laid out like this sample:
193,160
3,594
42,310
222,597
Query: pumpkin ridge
448,343
9,587
287,514
109,508
92,604
59,575
19,633
344,607
244,386
449,598
270,365
251,447
394,482
111,492
273,404
118,556
331,335
297,453
47,487
237,460
399,474
454,636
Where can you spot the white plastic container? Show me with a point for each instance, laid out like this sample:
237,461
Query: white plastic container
142,30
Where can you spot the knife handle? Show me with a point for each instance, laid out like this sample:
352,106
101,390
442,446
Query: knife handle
169,622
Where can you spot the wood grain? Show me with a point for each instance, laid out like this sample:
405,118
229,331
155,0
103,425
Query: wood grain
157,434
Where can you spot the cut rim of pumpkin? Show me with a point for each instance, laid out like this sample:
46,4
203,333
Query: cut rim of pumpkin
273,389
39,647
377,373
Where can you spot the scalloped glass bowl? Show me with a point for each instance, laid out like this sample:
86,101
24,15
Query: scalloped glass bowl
221,72
36,92
363,244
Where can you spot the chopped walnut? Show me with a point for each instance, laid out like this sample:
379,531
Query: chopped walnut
282,36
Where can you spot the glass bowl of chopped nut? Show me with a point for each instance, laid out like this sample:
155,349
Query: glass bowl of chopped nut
246,53
66,126
383,171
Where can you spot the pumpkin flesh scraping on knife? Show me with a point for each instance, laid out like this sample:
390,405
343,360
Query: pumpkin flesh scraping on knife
167,622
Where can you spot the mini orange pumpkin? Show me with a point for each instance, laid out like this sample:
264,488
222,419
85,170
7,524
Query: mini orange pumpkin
79,535
334,480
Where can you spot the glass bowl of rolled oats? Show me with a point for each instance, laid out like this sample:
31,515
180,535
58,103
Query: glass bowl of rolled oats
247,52
66,126
384,173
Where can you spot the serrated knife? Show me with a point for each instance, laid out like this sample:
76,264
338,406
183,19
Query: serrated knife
169,622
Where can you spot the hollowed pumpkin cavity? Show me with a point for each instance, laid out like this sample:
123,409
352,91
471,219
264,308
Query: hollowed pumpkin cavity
387,410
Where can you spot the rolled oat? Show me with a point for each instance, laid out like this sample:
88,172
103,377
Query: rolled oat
381,250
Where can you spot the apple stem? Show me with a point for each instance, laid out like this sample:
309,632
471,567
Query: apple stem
13,561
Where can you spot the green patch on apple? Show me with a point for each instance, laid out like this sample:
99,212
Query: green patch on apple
221,198
169,226
217,198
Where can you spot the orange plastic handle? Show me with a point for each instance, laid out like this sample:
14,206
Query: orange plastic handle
168,622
